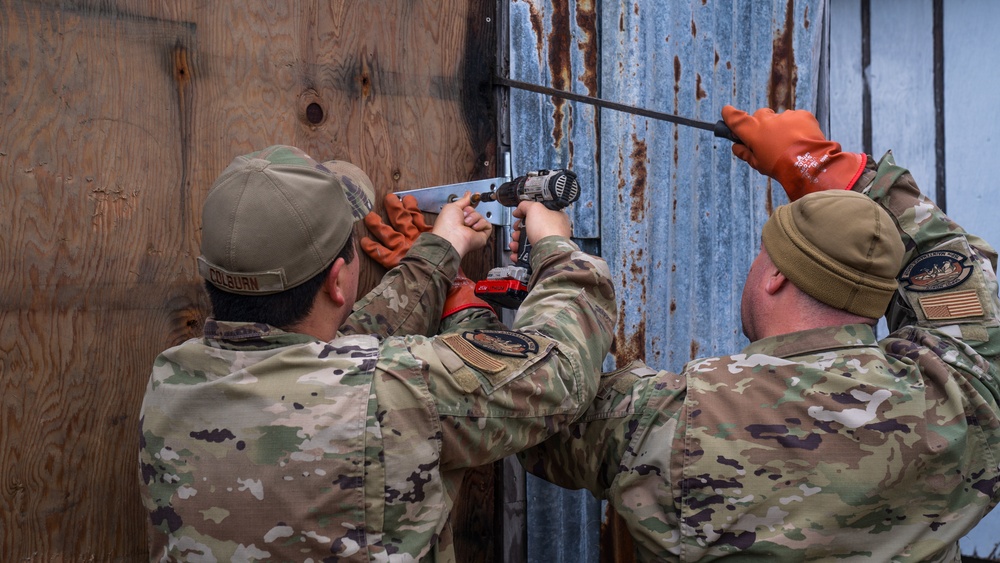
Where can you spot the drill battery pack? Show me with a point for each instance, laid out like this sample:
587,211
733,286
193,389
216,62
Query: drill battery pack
507,293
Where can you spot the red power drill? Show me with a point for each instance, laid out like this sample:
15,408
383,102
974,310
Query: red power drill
507,286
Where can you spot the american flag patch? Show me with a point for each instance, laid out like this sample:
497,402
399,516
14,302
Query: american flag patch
954,305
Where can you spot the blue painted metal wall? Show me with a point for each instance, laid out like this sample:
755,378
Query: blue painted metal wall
677,216
900,79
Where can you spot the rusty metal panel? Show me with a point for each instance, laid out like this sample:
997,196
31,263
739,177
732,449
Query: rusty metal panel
555,43
680,215
677,215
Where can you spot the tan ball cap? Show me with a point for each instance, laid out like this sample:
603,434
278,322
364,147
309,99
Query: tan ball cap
275,218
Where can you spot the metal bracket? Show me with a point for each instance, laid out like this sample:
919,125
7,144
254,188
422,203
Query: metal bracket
432,199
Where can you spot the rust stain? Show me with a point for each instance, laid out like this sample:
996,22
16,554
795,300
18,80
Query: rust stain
673,306
677,78
805,18
628,347
694,349
784,72
621,178
700,92
677,91
570,144
694,28
586,20
769,198
715,63
677,150
537,25
560,64
639,158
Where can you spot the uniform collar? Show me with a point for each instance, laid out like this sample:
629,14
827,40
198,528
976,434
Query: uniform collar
814,340
240,335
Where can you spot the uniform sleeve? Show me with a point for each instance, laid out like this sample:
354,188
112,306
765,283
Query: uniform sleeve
948,282
588,454
498,391
411,296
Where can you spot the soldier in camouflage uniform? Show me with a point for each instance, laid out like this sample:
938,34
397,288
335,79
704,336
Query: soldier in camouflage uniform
274,437
817,441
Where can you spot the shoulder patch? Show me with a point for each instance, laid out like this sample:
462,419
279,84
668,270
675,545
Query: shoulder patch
472,355
935,271
622,379
952,305
502,342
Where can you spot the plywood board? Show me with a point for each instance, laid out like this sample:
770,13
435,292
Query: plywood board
116,118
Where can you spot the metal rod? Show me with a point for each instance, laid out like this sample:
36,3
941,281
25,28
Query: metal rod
708,126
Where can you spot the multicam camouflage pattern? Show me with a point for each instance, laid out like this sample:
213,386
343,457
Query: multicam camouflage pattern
410,297
258,444
818,445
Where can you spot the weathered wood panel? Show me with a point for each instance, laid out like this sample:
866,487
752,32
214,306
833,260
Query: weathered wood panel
116,117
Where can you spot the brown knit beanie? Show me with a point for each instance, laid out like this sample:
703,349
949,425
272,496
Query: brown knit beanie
839,247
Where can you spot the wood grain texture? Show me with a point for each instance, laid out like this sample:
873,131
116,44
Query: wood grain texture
116,118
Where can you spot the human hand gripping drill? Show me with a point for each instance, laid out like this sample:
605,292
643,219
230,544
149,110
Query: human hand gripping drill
507,286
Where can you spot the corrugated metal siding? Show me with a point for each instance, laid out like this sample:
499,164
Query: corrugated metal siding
678,217
555,44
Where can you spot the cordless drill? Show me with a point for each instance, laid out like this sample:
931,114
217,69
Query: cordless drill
507,286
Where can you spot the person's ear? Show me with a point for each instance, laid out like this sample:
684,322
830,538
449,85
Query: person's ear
775,281
333,283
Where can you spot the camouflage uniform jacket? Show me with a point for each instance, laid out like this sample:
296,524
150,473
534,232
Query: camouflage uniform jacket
818,445
258,444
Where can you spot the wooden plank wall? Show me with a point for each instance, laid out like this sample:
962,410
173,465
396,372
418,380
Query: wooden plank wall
117,115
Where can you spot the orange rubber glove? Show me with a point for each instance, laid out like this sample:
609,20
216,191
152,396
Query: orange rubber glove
407,224
461,296
790,148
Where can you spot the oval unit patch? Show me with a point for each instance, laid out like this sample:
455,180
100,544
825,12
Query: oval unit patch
935,271
502,342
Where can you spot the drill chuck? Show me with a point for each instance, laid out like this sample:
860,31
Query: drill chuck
556,189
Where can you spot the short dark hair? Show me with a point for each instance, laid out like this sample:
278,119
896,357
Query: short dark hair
280,310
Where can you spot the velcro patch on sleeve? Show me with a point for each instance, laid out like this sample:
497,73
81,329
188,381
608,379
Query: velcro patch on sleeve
472,355
623,383
947,284
622,379
953,305
502,342
499,356
936,271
